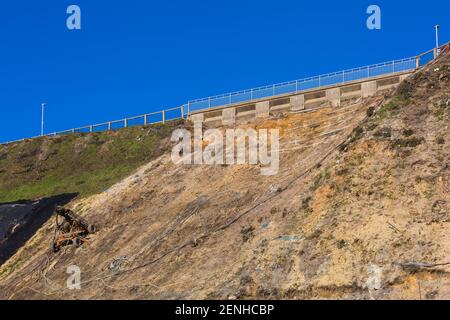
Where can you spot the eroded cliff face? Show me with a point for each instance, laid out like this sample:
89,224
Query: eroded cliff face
359,209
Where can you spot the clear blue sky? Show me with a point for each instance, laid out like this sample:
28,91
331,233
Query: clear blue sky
133,57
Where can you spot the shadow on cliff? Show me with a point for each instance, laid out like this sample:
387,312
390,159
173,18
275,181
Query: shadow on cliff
19,221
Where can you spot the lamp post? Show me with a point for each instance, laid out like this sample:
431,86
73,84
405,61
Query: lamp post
43,105
437,27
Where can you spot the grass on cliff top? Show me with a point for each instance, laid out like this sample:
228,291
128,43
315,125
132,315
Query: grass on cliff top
78,163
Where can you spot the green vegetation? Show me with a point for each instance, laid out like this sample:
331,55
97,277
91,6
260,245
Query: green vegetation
78,163
306,205
383,133
440,113
405,90
320,179
408,143
356,134
408,132
8,269
392,108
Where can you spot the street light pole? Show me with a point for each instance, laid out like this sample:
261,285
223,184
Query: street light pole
437,27
42,117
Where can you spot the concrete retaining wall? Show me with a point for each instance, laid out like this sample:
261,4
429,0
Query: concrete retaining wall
311,99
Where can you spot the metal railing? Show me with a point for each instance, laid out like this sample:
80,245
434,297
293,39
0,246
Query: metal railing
317,82
145,119
182,112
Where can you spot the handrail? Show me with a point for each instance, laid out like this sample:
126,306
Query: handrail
185,109
348,75
305,79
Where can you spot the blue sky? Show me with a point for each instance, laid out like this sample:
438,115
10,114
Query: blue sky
133,57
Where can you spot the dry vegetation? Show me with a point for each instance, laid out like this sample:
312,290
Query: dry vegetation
358,214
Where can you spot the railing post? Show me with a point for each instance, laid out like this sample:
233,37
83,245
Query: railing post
417,62
164,116
91,128
182,111
273,90
296,85
435,52
125,123
145,120
209,102
109,126
229,99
